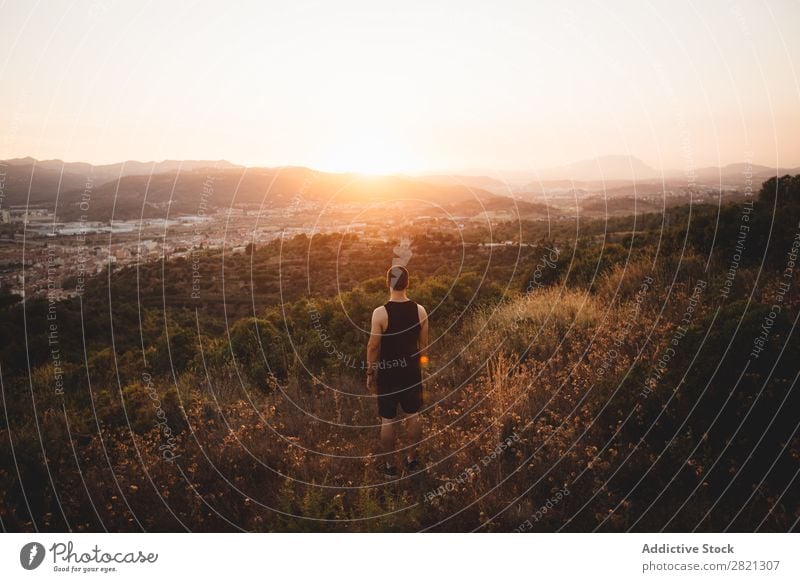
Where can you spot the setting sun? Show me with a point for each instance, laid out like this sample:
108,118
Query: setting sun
367,152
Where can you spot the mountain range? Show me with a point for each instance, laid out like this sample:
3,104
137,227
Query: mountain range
135,189
73,190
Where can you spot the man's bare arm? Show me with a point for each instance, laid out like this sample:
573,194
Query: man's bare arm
379,320
423,335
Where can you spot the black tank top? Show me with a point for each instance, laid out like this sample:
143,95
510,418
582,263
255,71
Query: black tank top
399,358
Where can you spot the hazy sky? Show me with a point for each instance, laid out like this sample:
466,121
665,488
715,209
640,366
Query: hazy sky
402,86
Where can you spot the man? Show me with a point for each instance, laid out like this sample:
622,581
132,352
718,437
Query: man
396,351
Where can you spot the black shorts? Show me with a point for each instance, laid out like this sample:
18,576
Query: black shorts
389,396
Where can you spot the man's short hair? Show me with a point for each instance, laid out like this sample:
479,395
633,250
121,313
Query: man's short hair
397,278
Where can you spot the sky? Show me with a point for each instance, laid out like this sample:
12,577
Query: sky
413,86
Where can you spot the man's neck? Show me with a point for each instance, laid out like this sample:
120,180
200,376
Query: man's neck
398,296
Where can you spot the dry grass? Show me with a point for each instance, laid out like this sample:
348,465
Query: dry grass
555,376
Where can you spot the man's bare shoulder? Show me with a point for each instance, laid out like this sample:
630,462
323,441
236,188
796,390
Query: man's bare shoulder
422,313
380,319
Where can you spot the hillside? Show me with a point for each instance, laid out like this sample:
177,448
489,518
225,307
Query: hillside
620,364
169,193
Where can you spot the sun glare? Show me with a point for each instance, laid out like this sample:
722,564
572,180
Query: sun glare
368,152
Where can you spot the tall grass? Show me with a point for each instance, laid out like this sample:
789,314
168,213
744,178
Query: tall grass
531,396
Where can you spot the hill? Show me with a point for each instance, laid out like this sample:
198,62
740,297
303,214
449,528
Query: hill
163,192
615,167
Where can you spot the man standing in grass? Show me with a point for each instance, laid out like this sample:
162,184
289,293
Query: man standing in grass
396,352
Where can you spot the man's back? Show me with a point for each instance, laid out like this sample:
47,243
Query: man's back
399,353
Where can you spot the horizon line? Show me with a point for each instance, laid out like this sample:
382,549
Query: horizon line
469,172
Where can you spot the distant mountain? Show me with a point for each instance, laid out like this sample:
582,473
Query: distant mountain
171,193
738,173
111,171
602,168
39,188
169,188
483,182
39,182
126,168
612,172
